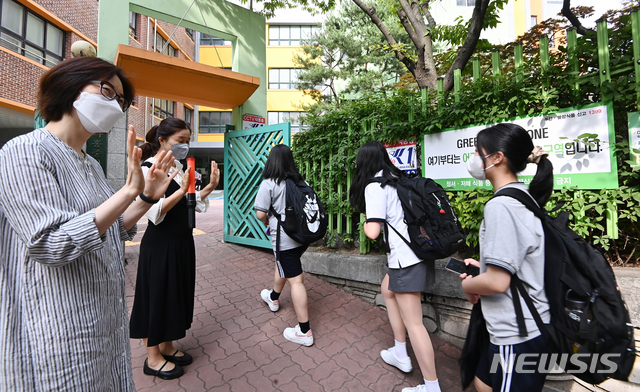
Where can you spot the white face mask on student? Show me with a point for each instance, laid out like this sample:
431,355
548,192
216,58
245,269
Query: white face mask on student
97,113
474,167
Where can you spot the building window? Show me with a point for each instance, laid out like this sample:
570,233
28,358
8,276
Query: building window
280,117
206,39
162,108
290,35
29,35
189,33
466,3
534,20
283,78
188,116
133,23
161,42
214,122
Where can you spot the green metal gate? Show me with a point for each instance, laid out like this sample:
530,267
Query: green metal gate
245,154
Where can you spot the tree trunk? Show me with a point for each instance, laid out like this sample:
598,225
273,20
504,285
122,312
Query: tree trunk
469,45
575,22
411,16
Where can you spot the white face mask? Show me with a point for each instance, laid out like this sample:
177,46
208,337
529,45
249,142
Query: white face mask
96,113
474,167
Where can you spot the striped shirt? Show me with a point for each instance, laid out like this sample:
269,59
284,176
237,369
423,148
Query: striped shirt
63,314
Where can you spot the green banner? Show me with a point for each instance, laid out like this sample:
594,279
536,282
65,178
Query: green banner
578,140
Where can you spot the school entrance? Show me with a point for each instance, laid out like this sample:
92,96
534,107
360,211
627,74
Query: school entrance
245,154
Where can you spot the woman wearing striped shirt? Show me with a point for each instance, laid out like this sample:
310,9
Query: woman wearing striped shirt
63,314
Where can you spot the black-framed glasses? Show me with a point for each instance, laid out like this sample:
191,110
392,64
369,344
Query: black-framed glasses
109,92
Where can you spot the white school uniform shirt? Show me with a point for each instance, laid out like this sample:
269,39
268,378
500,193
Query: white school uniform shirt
154,214
383,203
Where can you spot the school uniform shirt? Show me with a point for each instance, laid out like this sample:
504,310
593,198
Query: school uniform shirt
63,309
154,214
273,194
383,203
511,238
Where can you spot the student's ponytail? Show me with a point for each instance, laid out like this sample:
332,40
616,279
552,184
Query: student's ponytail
151,147
542,184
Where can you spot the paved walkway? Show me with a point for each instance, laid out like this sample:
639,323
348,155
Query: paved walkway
237,342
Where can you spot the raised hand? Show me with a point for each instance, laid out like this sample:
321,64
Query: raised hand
214,178
135,179
158,178
184,187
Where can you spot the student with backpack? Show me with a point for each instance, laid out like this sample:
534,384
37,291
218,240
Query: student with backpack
512,241
280,171
407,275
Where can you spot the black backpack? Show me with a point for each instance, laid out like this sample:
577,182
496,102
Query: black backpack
434,229
305,219
588,316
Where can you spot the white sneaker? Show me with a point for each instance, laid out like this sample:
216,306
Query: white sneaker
294,335
419,388
266,297
389,356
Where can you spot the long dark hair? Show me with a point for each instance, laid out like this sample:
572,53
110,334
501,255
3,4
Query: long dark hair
280,165
515,143
372,157
60,85
165,130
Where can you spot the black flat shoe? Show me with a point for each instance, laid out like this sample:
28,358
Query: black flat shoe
176,372
183,360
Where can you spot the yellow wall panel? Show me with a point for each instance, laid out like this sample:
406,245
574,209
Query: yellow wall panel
536,9
209,56
281,56
286,100
211,137
208,109
520,17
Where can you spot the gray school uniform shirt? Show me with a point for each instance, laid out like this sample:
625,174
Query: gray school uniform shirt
274,194
511,237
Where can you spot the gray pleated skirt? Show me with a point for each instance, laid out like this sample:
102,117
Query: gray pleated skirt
413,279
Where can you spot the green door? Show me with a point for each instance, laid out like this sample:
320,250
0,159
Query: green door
245,153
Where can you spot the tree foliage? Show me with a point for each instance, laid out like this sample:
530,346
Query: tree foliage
348,55
268,8
335,134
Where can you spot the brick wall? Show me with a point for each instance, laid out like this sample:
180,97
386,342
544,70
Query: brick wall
19,79
81,14
181,37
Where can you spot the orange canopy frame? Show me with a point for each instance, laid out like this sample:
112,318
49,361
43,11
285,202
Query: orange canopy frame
161,76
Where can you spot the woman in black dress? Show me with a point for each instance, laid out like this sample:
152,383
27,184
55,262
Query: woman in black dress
165,284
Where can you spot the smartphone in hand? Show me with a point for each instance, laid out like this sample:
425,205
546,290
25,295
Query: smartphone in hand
459,267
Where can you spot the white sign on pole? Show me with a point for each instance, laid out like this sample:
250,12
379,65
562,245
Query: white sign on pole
445,154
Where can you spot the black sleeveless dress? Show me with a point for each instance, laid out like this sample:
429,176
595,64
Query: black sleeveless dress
165,284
